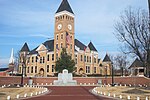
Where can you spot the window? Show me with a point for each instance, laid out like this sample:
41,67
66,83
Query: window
57,48
56,55
53,68
94,69
43,59
87,59
52,57
87,69
76,56
29,60
20,69
47,68
32,69
94,60
35,69
62,36
61,45
47,57
71,37
57,37
71,46
36,60
84,58
81,57
90,59
32,59
101,71
76,60
28,70
40,59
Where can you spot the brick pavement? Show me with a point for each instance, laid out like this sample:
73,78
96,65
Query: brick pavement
69,93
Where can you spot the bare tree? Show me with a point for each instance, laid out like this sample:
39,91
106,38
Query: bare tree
121,62
17,60
133,31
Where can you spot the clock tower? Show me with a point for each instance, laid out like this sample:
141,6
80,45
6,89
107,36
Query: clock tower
64,30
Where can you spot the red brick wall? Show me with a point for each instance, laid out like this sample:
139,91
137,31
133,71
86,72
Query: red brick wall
121,80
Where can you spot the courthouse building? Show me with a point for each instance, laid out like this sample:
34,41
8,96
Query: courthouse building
41,60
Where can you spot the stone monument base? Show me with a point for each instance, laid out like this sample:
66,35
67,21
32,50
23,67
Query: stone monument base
65,79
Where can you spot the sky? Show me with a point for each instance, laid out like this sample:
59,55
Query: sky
32,21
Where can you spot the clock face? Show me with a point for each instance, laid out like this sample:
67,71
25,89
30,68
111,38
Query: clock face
69,27
59,27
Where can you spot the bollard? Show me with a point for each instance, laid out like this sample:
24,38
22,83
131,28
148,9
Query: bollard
89,83
114,95
93,83
36,93
39,92
125,85
31,94
120,96
101,93
46,83
109,94
17,96
146,98
25,95
84,83
128,98
42,84
138,98
104,93
8,97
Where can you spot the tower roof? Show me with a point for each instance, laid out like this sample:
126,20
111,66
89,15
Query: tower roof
107,58
11,60
64,6
91,46
25,48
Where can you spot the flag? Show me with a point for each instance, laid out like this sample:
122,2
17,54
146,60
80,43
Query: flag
68,39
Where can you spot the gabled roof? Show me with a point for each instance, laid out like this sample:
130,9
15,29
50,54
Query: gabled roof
48,44
25,48
3,69
91,46
106,58
137,63
80,45
64,6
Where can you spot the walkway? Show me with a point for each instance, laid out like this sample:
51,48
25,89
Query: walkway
69,93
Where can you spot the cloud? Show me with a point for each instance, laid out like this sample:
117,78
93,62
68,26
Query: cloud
40,35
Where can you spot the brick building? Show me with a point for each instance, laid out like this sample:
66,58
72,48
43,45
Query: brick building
41,60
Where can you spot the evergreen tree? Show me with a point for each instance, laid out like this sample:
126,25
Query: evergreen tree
65,62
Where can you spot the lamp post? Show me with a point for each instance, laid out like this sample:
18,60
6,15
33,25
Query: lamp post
105,75
22,74
112,74
23,62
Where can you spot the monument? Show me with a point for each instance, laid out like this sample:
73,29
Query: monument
65,79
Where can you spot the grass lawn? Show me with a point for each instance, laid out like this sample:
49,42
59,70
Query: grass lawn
133,92
13,92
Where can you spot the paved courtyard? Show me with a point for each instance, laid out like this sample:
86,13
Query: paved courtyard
69,93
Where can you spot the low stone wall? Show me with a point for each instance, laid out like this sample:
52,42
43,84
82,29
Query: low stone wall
87,80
